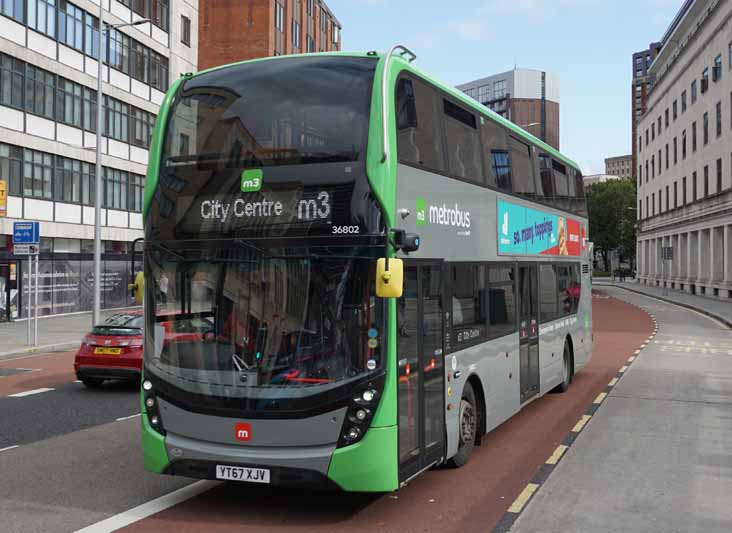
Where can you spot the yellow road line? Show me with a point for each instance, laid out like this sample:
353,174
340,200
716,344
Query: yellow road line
519,502
623,368
581,423
600,398
554,459
613,382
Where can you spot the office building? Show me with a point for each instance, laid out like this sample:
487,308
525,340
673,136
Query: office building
232,30
592,179
48,69
529,98
621,166
684,145
641,86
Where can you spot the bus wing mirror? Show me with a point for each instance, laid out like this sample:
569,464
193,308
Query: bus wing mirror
389,282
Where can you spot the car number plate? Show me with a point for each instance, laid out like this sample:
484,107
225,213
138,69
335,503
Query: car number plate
107,351
238,473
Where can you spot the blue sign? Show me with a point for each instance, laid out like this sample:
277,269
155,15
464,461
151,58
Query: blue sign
526,231
26,233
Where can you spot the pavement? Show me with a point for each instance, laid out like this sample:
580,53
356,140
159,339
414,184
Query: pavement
714,307
71,458
54,333
656,455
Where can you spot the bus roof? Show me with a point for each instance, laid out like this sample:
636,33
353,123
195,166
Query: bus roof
456,93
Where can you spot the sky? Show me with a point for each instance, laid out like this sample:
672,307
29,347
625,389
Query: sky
588,43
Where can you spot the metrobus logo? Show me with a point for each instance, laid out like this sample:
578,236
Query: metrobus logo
251,180
242,431
442,215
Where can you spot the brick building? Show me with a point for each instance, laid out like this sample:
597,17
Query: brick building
641,86
233,30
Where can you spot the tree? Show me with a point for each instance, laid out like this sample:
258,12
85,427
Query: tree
611,207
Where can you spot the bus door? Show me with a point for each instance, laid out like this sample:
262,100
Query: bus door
420,360
528,292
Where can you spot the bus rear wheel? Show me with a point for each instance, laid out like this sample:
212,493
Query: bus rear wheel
567,370
467,427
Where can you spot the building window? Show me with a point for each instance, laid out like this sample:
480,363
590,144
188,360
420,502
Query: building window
137,186
141,126
653,131
646,170
660,164
665,121
68,103
660,194
117,119
115,188
14,10
693,137
646,136
705,80
42,16
295,35
675,151
310,44
675,109
706,181
683,190
11,167
659,125
139,62
676,194
335,33
705,129
683,144
40,87
693,92
12,80
719,175
683,101
67,181
70,25
717,69
185,30
499,89
310,4
37,174
729,53
666,156
279,17
159,13
119,51
667,198
646,206
653,204
91,35
89,110
158,71
719,118
653,167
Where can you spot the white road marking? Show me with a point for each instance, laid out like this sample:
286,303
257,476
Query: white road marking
127,417
8,448
29,393
152,507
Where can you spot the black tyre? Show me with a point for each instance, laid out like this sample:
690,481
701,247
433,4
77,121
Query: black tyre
92,383
567,370
467,428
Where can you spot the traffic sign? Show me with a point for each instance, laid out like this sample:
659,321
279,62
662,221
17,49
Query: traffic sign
26,249
26,232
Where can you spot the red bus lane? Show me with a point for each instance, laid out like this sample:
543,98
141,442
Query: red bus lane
473,498
36,371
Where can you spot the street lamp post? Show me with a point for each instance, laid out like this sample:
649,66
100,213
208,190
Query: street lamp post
103,28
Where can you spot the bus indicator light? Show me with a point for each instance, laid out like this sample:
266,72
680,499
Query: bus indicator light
243,431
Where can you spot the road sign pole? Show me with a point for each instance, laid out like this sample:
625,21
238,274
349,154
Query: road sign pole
37,283
29,315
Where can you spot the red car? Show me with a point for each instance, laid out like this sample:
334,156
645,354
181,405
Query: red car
113,350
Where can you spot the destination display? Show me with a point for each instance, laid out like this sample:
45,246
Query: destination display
526,231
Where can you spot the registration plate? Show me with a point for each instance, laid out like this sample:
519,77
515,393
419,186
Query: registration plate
107,351
238,473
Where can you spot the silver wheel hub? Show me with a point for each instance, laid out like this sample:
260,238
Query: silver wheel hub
467,422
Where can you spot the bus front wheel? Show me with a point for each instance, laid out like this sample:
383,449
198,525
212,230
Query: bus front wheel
467,427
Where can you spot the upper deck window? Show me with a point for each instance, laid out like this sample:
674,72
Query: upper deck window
277,112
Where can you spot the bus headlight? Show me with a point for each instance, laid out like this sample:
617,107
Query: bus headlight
151,407
360,413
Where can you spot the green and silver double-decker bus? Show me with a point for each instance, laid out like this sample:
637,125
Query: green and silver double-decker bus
352,272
